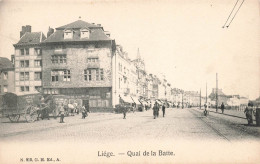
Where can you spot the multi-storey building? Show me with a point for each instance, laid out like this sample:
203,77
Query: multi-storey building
156,83
6,76
121,68
141,73
221,97
125,78
177,96
150,82
133,81
77,63
192,98
28,61
162,89
168,93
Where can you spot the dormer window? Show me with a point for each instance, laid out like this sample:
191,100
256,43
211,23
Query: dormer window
68,34
107,33
84,33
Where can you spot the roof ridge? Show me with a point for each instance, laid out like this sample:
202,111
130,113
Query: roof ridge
77,24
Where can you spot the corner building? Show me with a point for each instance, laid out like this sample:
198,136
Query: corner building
77,64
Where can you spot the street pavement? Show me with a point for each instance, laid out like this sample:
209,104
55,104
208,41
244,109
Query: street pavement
185,124
184,135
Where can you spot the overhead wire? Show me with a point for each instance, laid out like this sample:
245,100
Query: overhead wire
235,14
230,14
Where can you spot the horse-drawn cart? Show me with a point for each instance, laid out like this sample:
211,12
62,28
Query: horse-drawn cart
27,106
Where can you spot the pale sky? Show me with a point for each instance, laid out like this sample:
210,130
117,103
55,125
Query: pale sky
183,39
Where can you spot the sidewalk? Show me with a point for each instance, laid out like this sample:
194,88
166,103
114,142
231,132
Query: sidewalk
230,112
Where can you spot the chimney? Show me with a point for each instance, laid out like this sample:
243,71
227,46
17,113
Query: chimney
28,28
25,29
12,59
50,31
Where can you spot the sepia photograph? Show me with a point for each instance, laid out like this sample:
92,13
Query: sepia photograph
129,81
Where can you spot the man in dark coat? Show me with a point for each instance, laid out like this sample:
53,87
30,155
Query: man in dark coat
222,107
155,110
84,112
163,110
249,113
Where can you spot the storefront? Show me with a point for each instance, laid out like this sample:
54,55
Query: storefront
98,99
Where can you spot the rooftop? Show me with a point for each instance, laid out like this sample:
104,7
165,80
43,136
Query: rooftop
78,25
31,38
95,35
5,63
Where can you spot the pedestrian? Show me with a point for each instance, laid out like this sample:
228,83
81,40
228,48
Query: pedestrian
205,110
124,110
84,112
222,107
76,110
155,110
249,113
134,106
163,110
62,112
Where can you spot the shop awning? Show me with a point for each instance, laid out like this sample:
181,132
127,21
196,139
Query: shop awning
135,99
126,99
153,102
144,102
159,102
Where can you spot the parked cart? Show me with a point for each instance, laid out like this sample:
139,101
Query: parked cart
28,106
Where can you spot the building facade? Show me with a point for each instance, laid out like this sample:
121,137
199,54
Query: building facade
28,62
6,76
77,63
221,97
141,74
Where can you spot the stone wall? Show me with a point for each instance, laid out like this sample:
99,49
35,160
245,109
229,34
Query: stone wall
77,62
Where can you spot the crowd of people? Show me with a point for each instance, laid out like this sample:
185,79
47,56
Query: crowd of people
72,109
65,110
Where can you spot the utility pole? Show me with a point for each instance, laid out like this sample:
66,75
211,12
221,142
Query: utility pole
216,92
200,98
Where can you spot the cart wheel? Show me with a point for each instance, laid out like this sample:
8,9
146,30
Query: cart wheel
31,114
14,117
